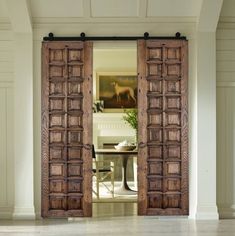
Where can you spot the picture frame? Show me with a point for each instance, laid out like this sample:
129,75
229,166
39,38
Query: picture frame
118,90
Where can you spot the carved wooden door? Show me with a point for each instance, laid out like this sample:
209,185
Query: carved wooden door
163,127
66,129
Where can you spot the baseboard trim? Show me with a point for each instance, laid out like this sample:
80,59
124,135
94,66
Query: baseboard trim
24,213
227,212
6,213
207,213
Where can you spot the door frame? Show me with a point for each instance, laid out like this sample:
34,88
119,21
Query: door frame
141,168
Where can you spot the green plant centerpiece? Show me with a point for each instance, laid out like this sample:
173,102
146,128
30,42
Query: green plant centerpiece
131,118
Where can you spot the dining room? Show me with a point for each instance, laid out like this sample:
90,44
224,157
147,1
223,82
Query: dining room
114,128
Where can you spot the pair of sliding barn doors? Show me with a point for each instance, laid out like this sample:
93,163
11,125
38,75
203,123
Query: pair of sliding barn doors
67,128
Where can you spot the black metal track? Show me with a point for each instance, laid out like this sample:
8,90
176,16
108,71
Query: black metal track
83,37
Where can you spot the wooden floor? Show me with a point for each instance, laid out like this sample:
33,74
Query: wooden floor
117,219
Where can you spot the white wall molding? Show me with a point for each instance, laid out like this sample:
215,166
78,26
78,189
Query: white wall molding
227,212
227,19
143,6
206,126
225,151
6,84
225,84
206,110
6,125
24,213
24,174
108,20
6,213
86,8
5,21
225,36
209,15
207,212
122,29
20,15
226,25
6,152
5,26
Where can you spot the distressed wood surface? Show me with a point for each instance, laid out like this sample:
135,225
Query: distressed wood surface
66,129
163,127
87,125
142,129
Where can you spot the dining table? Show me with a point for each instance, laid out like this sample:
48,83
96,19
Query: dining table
124,189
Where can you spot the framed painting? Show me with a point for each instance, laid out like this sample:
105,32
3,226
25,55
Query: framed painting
118,90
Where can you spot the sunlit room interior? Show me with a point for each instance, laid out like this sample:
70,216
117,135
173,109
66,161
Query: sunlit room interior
115,62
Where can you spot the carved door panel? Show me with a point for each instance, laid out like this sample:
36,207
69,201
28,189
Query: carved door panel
163,127
66,129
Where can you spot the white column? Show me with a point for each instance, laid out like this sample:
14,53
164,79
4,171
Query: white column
24,191
206,130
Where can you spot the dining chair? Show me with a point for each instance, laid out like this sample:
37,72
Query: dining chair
103,171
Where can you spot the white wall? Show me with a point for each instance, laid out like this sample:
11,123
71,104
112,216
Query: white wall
37,125
6,124
226,120
113,57
206,126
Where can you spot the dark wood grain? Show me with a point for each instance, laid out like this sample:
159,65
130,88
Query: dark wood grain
184,121
44,132
66,129
163,127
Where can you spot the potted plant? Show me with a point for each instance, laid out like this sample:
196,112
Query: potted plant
131,118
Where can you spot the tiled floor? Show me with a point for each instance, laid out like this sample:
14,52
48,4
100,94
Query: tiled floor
116,226
118,219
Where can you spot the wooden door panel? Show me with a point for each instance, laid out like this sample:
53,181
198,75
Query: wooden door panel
66,129
163,131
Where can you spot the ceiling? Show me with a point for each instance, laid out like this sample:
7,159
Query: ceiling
114,10
91,9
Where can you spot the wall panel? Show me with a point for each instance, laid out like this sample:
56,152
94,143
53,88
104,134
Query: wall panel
226,151
6,125
6,151
225,57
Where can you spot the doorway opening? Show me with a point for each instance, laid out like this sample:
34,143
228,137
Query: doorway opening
67,126
114,182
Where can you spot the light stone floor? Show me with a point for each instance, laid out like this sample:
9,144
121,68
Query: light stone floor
118,219
106,196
